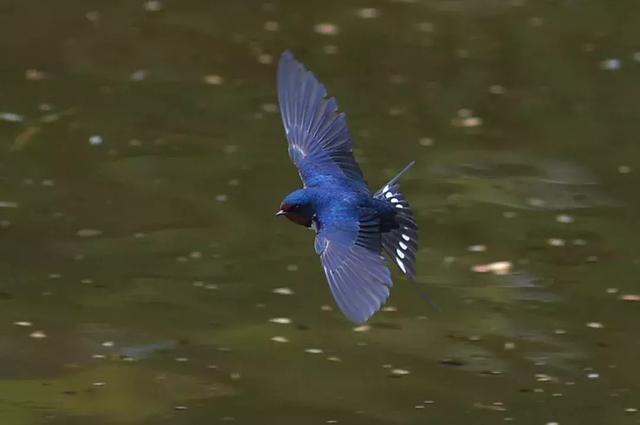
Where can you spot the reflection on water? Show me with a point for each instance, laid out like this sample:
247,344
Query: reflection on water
145,280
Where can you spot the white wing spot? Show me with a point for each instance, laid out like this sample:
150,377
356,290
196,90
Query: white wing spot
401,265
400,253
394,200
406,237
402,245
399,206
386,188
388,195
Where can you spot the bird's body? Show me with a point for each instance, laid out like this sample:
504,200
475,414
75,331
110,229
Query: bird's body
353,225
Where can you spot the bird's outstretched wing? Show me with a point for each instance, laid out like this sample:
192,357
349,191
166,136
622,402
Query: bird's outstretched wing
355,268
319,141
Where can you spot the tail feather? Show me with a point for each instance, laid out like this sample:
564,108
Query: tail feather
401,243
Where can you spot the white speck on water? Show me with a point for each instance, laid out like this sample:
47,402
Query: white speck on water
631,410
87,233
611,64
196,255
108,344
280,339
23,323
271,26
390,309
564,218
221,197
497,89
362,328
270,107
98,356
92,16
400,372
95,140
10,117
326,308
334,359
152,6
555,242
98,384
330,49
34,75
213,79
292,268
426,141
265,58
8,204
612,290
283,291
210,286
38,334
182,359
280,320
536,202
477,248
139,75
595,325
593,375
624,169
313,350
368,13
326,28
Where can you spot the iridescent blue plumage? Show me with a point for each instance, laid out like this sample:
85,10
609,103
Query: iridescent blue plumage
353,225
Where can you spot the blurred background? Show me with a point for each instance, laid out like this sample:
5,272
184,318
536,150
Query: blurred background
142,157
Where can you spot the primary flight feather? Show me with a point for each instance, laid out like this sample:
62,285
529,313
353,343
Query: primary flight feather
353,225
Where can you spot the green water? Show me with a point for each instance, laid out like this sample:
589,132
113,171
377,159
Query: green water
142,158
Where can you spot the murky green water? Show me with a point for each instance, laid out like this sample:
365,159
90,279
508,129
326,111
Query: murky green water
142,158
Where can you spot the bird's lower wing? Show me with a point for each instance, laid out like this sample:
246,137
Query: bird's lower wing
356,271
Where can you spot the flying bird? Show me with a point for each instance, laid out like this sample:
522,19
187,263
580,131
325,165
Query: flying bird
353,225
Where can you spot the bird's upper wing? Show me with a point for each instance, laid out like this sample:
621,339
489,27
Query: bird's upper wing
355,268
319,141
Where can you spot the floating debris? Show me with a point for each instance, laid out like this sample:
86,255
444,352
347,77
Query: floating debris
23,323
280,320
8,204
362,328
280,339
213,79
426,141
595,325
555,242
95,140
265,58
334,359
313,350
271,26
593,375
283,291
326,308
466,119
152,6
630,297
390,309
564,218
234,376
624,169
34,75
497,89
87,233
477,248
326,28
108,344
611,64
10,117
330,49
498,268
397,373
38,334
180,408
222,197
368,13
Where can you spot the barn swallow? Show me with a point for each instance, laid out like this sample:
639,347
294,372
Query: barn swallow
353,225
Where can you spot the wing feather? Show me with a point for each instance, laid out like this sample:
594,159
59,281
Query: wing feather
319,141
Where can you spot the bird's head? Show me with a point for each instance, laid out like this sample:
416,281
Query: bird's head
297,207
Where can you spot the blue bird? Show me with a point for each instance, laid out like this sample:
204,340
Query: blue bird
353,225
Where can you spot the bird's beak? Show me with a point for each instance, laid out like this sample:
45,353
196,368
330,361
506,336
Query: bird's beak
281,212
